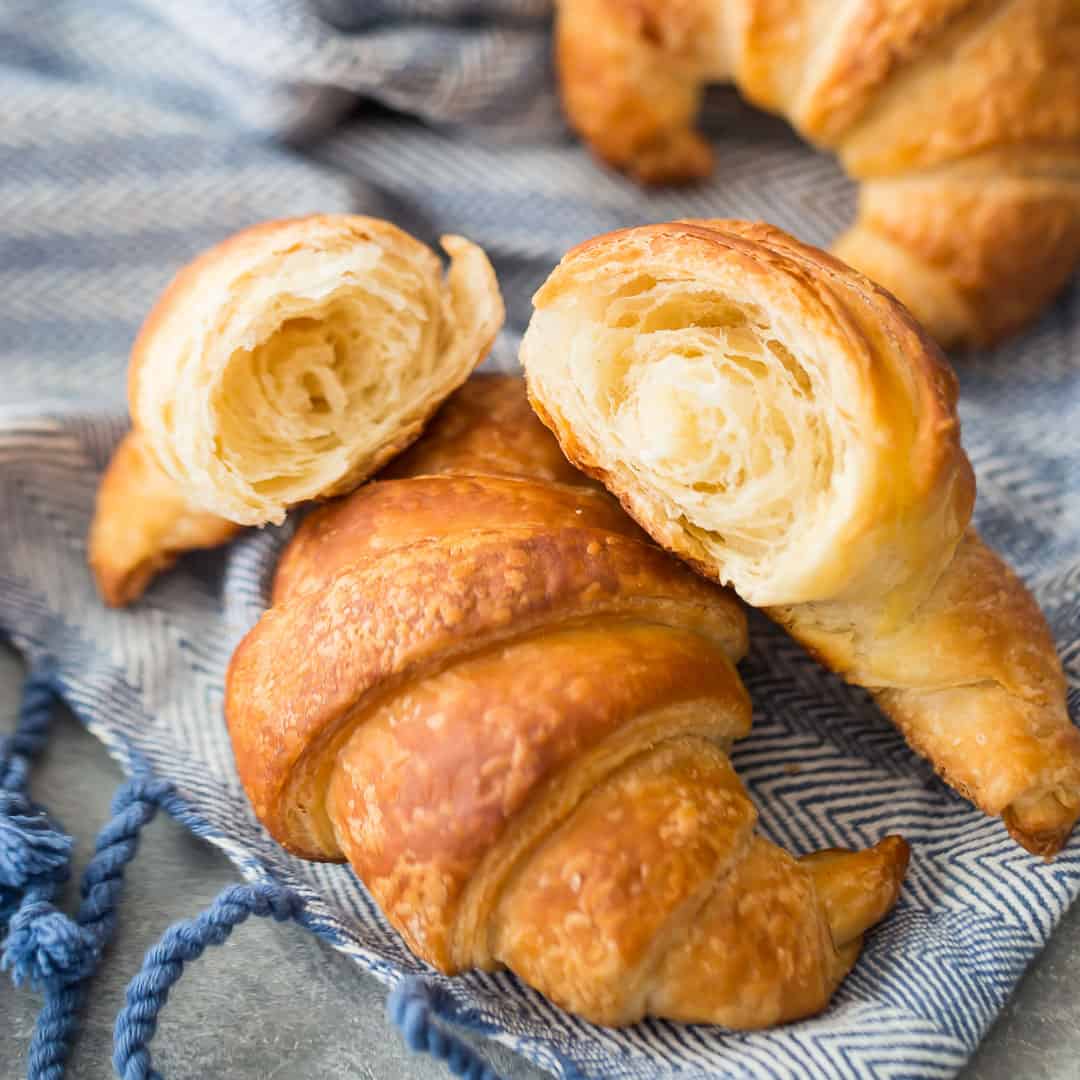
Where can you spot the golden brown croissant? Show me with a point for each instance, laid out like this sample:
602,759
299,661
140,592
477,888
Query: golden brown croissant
510,712
141,524
960,119
287,363
781,423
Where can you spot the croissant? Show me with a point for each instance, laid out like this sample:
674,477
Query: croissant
451,727
141,524
959,119
287,363
783,425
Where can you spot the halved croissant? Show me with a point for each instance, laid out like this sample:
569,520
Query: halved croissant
510,712
781,423
287,363
297,357
959,118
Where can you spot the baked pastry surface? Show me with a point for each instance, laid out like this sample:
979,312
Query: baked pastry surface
510,712
141,524
959,119
784,426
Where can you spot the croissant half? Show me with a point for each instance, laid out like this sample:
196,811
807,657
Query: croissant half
451,726
960,119
287,363
781,423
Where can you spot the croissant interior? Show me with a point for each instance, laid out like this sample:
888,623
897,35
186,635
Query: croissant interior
296,358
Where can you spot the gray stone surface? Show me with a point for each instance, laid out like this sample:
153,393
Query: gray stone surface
275,1002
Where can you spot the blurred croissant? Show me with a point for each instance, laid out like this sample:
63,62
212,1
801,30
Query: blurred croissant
451,726
783,425
960,119
287,363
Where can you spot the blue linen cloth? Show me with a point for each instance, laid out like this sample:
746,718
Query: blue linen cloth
136,133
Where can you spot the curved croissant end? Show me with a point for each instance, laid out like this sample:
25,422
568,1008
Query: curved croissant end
779,422
141,524
294,359
453,728
960,120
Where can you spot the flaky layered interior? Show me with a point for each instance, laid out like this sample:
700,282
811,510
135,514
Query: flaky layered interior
297,373
721,417
289,408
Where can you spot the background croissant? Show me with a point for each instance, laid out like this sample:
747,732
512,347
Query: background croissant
510,712
782,424
960,119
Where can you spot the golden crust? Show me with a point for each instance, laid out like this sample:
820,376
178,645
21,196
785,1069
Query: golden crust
1009,75
141,525
510,711
933,623
881,39
917,98
392,619
631,83
486,427
974,682
429,781
395,513
586,920
1018,245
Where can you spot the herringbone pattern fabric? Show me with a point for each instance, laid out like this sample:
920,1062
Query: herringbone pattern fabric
135,134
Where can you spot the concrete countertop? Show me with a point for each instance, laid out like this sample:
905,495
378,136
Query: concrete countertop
276,1002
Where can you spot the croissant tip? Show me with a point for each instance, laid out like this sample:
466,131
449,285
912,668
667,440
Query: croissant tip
896,851
1044,828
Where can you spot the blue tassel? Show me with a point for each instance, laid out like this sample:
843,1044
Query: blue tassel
45,948
32,849
52,951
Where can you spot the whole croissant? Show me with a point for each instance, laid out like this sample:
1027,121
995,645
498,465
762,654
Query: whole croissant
781,423
287,363
510,712
960,119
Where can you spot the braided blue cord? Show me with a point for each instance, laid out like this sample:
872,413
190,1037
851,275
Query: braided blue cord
412,1006
164,964
34,852
133,807
51,951
44,947
35,715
